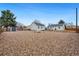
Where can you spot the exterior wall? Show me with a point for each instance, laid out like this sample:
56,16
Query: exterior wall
9,28
36,27
57,28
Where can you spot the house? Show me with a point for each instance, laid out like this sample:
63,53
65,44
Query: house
19,26
9,28
56,27
70,26
36,26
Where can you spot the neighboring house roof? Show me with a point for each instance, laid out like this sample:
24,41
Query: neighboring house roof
39,24
55,25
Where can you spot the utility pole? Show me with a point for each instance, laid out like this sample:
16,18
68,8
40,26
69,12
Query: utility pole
76,18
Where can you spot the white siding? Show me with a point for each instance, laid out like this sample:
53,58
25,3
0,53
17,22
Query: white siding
57,28
36,27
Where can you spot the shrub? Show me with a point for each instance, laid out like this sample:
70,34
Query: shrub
1,30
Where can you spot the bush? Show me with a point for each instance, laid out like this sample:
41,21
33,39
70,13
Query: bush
1,30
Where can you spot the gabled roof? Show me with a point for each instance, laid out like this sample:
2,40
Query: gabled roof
38,23
55,25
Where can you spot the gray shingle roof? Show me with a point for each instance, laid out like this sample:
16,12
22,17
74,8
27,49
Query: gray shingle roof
39,24
55,25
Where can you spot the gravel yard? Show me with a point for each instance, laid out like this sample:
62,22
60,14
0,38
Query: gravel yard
48,43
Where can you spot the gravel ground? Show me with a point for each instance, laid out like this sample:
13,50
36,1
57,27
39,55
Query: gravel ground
45,43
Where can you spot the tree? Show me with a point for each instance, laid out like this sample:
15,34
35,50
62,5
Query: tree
7,18
61,22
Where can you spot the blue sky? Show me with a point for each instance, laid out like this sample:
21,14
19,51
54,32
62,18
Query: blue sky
44,12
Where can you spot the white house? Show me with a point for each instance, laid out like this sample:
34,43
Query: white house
56,27
36,26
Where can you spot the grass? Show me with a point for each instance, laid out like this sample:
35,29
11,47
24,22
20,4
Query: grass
26,43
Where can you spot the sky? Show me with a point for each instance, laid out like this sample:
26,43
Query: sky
46,13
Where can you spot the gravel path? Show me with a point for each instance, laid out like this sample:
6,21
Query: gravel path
26,43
